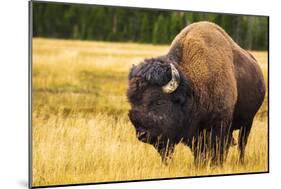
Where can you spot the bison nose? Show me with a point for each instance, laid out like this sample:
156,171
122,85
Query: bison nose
142,135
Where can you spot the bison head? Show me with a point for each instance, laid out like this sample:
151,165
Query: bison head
160,97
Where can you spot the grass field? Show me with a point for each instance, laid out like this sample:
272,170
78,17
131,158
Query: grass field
81,132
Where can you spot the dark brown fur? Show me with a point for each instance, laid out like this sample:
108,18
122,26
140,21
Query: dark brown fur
221,89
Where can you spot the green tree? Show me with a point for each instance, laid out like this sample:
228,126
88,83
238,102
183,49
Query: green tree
176,24
145,30
87,22
160,31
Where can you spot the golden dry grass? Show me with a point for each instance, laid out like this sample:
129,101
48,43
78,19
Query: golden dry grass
81,132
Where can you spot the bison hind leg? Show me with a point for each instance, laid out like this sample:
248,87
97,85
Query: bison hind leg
244,132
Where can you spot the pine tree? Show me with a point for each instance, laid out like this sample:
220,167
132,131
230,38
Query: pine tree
121,24
160,31
144,31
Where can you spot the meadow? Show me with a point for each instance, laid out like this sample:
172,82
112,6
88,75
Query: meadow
80,128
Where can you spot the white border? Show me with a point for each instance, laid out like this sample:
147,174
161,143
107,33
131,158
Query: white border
14,92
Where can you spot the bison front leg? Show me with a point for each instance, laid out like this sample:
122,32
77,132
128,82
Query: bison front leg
166,150
221,140
211,146
201,148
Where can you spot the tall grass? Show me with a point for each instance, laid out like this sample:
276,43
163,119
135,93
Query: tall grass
81,132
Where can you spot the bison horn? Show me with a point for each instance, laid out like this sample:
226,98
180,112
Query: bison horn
173,84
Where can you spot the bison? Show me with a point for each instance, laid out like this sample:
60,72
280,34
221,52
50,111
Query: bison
203,89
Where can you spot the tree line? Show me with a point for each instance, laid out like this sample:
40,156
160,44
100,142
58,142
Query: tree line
91,22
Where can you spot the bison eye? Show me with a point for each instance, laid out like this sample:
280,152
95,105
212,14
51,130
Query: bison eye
159,102
143,105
